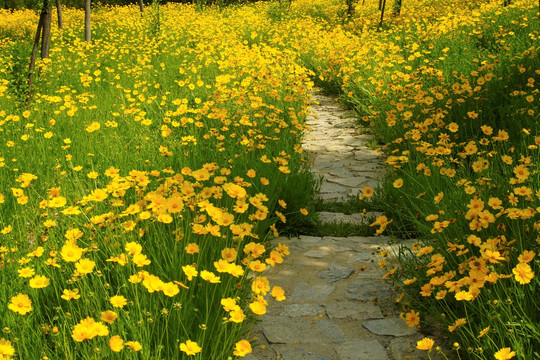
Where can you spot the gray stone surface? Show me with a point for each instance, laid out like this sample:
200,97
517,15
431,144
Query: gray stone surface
389,327
295,352
279,330
335,272
316,253
367,290
296,310
361,350
355,219
353,310
327,188
306,292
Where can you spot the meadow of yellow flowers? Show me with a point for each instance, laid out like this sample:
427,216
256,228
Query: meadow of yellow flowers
141,186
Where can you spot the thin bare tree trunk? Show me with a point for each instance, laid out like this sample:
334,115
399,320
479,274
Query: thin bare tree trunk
397,7
59,14
41,22
46,34
141,6
87,31
382,11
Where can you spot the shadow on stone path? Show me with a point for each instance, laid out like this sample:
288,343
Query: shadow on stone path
337,306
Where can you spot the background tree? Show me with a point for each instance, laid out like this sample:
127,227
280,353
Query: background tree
59,14
87,30
397,7
44,33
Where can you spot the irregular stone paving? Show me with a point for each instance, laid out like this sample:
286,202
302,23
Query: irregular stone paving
339,151
337,306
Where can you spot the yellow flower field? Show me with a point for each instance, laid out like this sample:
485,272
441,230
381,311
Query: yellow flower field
141,185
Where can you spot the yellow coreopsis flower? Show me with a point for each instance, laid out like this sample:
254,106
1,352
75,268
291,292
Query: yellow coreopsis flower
425,344
505,354
523,273
20,304
39,281
118,301
242,348
116,343
190,348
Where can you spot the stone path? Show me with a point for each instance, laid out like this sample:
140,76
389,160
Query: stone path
339,151
337,306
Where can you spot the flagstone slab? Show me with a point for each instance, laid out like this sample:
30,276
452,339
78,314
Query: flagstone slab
280,330
353,310
297,310
361,350
367,290
389,327
311,293
335,272
294,352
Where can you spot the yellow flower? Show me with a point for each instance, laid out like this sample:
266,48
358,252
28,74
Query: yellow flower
71,294
210,277
260,285
190,271
483,332
192,248
133,345
258,308
109,316
504,354
398,183
85,266
412,318
133,248
526,257
88,329
6,350
20,304
190,347
140,260
170,289
242,348
523,273
116,343
39,281
93,127
26,272
425,344
367,192
278,293
237,316
457,324
118,301
463,295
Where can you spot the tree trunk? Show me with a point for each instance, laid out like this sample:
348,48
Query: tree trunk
397,7
42,18
350,7
46,34
382,11
141,6
87,31
59,13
